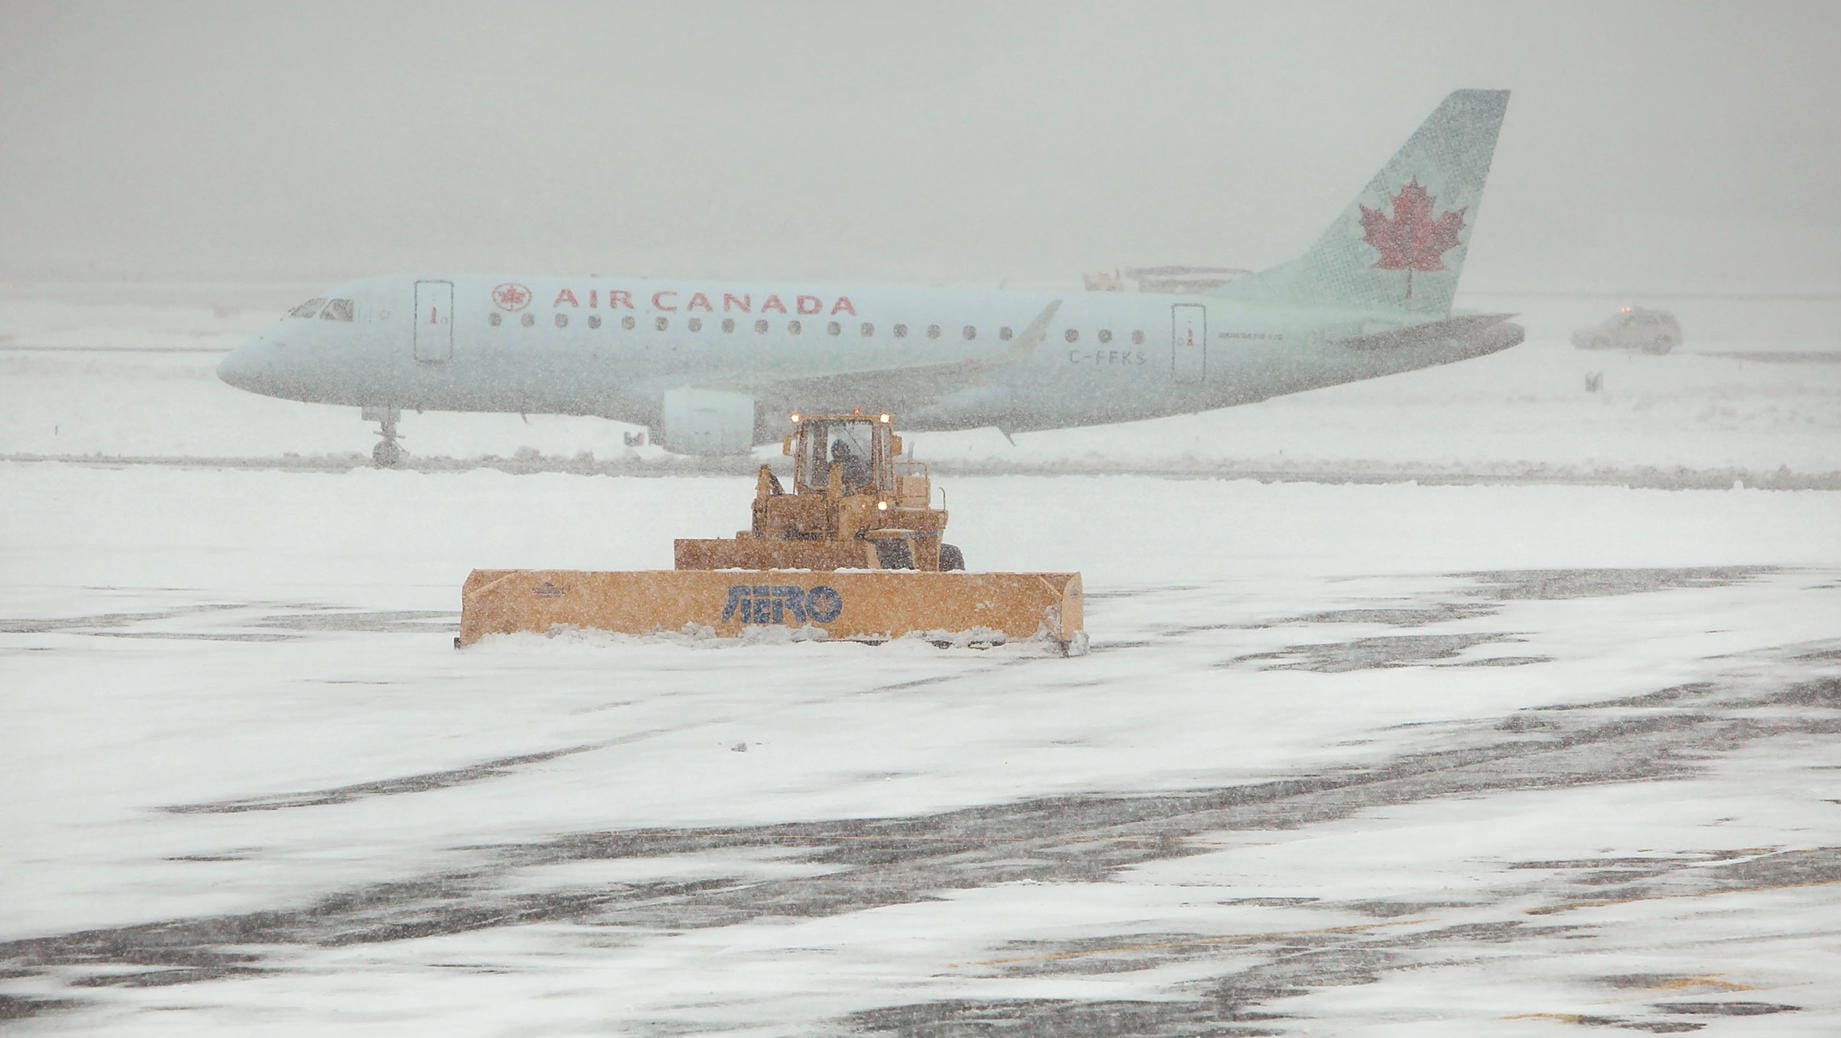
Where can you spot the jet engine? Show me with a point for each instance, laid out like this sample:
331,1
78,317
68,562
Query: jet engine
708,421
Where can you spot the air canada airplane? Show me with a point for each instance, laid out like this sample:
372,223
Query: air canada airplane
714,368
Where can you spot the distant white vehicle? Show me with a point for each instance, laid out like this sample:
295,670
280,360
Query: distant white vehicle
1632,328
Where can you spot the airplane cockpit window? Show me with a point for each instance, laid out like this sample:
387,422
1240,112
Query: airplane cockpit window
308,308
337,310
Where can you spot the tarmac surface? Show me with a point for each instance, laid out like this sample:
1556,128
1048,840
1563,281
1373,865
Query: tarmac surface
1235,983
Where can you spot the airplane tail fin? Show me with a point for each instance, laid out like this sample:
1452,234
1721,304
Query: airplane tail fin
1401,243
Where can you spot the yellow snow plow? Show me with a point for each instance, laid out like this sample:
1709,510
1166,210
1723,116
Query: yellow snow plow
852,550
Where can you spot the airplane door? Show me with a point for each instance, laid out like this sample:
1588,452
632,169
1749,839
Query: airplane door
434,320
1188,342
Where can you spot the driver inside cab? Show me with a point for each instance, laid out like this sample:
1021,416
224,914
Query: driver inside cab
855,466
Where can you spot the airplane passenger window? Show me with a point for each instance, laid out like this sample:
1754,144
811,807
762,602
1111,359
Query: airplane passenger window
562,320
792,327
308,308
933,331
1137,338
627,323
1073,335
337,310
1004,333
760,327
529,320
901,331
833,328
495,318
594,320
728,324
868,329
696,324
662,323
1105,335
970,333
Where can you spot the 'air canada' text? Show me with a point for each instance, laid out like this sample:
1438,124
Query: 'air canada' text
673,301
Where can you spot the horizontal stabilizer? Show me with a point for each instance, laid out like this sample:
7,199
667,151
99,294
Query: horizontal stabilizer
1466,328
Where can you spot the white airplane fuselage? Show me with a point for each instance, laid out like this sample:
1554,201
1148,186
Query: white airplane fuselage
714,368
612,348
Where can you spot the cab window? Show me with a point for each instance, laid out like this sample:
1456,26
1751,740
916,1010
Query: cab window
308,308
843,443
337,310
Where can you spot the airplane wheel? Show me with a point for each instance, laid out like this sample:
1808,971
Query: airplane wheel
387,454
951,558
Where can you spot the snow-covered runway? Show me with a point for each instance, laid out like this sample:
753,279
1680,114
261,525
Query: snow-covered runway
1344,759
254,783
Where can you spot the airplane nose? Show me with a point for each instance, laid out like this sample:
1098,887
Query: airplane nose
243,367
234,368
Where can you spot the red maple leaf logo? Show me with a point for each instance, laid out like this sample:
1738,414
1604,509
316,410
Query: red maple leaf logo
511,296
1412,239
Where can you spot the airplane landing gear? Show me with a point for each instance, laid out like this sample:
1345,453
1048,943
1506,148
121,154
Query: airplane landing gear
388,453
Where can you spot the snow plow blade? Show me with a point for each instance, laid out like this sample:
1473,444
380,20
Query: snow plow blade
860,605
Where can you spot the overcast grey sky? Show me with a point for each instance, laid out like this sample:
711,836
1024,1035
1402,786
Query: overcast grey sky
1649,145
